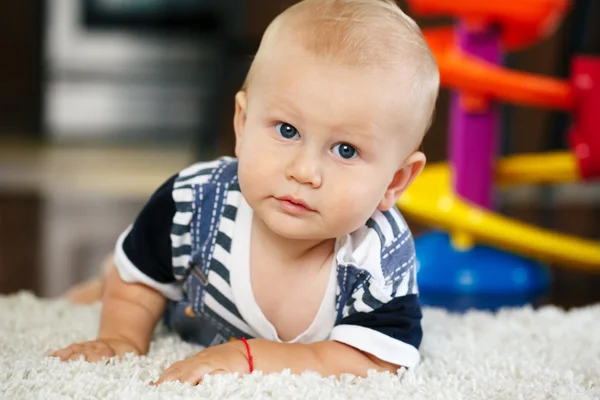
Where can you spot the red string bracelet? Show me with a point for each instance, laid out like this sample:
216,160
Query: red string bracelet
250,363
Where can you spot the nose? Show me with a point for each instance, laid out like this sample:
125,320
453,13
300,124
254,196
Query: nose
304,168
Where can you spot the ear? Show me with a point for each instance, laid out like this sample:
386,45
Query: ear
239,118
402,179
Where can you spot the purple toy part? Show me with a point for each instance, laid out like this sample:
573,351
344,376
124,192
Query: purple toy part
474,135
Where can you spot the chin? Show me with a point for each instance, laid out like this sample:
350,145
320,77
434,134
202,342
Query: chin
290,231
290,228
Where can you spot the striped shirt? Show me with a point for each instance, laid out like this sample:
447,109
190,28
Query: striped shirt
191,242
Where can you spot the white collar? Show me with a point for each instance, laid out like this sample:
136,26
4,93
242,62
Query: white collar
244,299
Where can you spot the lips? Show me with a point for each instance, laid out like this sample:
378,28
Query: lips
294,203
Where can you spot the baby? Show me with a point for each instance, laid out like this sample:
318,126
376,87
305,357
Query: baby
295,246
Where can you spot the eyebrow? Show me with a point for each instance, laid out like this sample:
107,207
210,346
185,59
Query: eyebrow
366,138
362,134
280,103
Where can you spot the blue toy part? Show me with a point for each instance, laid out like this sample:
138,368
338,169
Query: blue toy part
481,277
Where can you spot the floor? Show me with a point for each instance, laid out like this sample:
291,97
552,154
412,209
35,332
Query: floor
61,210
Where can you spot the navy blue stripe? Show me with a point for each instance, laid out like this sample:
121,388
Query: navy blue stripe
219,269
235,186
230,212
392,221
183,250
224,301
180,271
184,206
179,230
224,241
372,224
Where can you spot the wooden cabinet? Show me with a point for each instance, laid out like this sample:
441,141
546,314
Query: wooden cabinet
20,241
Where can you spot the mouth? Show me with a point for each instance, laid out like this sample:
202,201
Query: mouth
293,204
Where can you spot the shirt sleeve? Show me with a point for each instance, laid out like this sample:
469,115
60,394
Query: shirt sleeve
382,315
143,251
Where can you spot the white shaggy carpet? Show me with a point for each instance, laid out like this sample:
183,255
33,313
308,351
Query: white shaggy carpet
514,354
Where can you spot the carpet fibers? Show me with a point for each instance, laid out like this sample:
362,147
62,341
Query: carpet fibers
513,354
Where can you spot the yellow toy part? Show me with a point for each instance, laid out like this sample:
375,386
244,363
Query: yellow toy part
430,200
558,167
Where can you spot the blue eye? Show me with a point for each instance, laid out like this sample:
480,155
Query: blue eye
345,151
286,130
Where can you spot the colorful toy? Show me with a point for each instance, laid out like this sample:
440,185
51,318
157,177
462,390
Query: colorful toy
463,262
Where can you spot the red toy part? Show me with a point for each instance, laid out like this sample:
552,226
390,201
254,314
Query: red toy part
523,22
585,133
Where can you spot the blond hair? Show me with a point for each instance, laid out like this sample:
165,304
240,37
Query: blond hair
363,33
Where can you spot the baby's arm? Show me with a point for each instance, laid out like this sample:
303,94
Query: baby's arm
130,312
326,357
133,305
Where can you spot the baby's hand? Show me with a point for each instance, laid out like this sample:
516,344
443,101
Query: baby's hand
225,358
94,350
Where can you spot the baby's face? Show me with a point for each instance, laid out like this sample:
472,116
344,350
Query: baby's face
318,145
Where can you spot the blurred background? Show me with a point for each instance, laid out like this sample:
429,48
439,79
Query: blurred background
102,100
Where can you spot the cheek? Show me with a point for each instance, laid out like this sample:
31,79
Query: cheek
257,166
257,141
354,200
364,187
253,171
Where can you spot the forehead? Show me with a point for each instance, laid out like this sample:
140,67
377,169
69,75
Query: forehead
322,89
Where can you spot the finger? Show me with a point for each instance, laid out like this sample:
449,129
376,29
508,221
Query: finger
102,350
63,354
170,374
96,355
96,346
216,372
66,353
76,356
196,375
81,352
220,372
